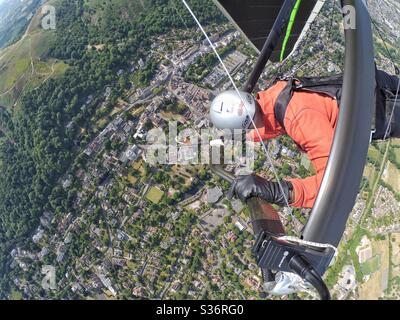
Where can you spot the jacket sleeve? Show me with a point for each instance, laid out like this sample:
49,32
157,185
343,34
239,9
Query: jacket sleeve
311,130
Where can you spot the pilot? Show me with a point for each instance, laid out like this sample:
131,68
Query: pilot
309,120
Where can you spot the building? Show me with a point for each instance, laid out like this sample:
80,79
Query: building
107,283
237,205
213,195
364,250
239,225
132,153
348,280
38,235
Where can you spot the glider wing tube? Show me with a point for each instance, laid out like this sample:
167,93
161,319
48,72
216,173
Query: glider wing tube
345,167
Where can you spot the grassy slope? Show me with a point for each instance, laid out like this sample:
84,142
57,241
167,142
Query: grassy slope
12,21
25,65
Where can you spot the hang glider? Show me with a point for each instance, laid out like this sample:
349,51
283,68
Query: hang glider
300,262
255,19
315,249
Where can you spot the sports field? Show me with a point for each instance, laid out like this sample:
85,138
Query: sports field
154,195
377,282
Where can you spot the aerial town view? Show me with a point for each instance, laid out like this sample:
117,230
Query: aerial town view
88,86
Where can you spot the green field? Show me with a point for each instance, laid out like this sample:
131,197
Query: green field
397,153
132,179
395,142
375,155
13,64
371,265
369,173
391,176
154,195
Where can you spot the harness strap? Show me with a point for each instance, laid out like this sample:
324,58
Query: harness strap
328,86
283,101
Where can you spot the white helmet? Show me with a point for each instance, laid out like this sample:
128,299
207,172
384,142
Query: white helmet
232,111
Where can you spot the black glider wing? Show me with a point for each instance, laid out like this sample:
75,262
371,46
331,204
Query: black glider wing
255,19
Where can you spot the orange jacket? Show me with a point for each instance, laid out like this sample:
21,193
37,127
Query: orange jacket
310,121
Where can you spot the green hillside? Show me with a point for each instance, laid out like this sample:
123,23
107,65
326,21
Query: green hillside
14,18
26,64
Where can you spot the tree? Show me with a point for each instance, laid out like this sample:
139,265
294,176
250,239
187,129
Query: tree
286,169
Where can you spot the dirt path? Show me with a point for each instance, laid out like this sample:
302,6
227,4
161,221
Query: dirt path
15,46
30,55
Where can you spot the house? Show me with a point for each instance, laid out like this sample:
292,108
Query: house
348,280
138,292
176,286
237,205
132,153
123,236
239,225
61,253
67,183
38,235
76,287
364,250
253,283
118,253
230,236
107,283
175,215
46,218
43,253
118,262
141,63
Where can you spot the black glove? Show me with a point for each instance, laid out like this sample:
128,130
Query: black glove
246,187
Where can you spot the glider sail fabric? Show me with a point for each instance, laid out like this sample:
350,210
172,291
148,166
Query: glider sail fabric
255,19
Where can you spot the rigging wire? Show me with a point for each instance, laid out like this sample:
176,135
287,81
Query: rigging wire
180,16
392,113
388,128
397,70
386,47
394,65
251,119
383,142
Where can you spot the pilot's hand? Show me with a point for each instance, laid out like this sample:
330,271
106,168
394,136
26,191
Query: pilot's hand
246,187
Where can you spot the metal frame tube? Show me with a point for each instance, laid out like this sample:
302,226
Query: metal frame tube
262,215
343,174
